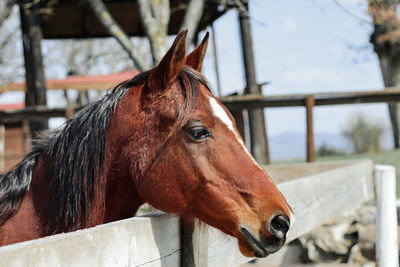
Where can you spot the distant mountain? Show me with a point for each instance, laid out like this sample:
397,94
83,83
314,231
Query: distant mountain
292,145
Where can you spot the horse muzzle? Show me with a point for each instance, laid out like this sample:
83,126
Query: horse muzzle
278,226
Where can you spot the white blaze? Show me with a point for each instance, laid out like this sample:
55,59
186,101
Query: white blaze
220,113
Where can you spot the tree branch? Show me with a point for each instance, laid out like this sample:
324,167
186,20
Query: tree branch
5,9
191,21
115,30
155,17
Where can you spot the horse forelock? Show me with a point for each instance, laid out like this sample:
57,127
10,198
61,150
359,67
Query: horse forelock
190,81
190,87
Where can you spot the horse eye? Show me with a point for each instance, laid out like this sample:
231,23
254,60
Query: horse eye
199,133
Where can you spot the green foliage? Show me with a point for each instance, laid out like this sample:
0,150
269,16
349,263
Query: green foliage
325,150
364,134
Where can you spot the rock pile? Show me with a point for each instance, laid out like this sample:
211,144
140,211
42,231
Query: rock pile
348,239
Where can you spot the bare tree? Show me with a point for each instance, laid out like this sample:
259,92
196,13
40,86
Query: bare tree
365,135
193,14
84,57
10,56
155,18
115,30
155,15
6,7
386,41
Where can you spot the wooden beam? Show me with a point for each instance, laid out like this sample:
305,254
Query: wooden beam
395,121
235,103
310,128
34,72
340,98
239,120
35,113
102,85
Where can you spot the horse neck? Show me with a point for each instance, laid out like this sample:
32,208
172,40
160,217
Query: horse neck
132,143
30,220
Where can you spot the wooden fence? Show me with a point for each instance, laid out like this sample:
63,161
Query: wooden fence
309,101
317,193
238,103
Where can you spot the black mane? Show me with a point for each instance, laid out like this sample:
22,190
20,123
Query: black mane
76,155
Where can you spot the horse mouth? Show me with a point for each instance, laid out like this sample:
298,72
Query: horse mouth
261,248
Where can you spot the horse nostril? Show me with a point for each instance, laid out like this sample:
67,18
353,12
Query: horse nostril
279,226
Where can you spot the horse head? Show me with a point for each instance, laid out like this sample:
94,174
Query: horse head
184,154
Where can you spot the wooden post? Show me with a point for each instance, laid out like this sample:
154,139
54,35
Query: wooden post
34,73
258,135
387,251
214,44
69,112
2,147
310,129
239,120
395,121
194,240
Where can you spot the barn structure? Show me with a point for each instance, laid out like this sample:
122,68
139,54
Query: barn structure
14,131
14,138
46,19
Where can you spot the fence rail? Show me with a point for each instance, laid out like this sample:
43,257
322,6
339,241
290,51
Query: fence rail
328,189
390,94
238,103
309,101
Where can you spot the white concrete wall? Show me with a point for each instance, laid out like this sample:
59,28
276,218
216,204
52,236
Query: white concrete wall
155,241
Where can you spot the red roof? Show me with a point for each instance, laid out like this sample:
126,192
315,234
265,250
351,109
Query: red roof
113,77
86,82
12,106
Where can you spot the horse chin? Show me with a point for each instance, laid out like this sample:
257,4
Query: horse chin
248,251
253,246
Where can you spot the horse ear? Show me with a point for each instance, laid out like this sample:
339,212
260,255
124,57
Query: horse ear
195,58
170,65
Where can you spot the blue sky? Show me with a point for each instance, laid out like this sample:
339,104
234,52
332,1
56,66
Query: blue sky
301,46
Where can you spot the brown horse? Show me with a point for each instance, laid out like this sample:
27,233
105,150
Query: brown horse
161,138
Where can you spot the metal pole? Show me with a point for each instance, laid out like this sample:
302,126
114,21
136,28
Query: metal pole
387,251
258,135
34,73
